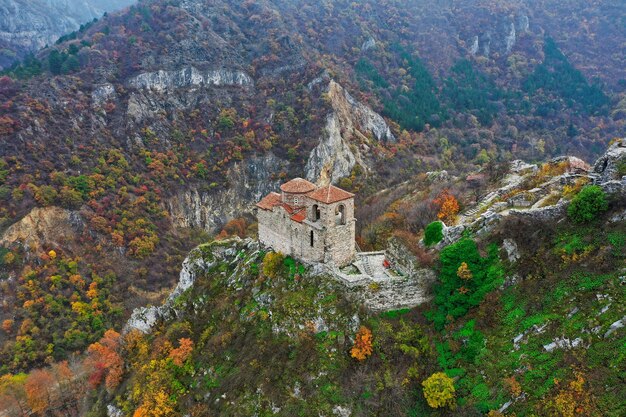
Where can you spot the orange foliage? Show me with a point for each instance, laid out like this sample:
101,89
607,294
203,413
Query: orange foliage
234,227
362,345
93,290
448,206
7,325
181,353
514,387
37,388
105,361
571,400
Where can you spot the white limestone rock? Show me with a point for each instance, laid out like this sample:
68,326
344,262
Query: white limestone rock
606,167
161,80
102,94
250,180
349,122
512,252
563,343
113,411
615,326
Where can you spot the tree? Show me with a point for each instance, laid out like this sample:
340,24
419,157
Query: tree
462,287
272,264
571,400
362,344
181,353
587,204
38,388
448,206
433,233
464,272
439,390
7,326
55,62
105,361
13,395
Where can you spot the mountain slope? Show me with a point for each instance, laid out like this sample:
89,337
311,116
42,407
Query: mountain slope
158,124
26,26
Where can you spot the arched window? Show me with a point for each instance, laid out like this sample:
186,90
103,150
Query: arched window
340,215
315,213
312,237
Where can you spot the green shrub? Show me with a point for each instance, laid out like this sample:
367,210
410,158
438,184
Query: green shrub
587,204
456,293
433,233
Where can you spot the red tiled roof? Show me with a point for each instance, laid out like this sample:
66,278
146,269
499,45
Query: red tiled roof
269,201
297,186
330,194
288,208
299,216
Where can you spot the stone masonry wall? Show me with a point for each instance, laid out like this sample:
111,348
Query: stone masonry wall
331,242
278,231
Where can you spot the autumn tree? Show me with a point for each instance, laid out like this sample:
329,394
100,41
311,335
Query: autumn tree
439,390
38,388
105,361
7,325
571,399
362,344
272,264
13,395
464,272
181,353
448,207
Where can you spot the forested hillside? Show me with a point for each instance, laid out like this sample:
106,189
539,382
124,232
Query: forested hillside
130,141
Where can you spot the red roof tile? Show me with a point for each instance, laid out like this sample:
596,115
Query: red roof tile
299,216
330,194
288,208
297,186
269,201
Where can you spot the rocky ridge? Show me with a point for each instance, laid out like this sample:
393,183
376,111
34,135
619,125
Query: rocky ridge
528,191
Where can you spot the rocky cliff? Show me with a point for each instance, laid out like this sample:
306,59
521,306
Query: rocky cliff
248,181
350,127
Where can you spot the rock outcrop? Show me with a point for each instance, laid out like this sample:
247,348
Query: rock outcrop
200,259
248,181
612,165
544,201
44,226
188,77
347,126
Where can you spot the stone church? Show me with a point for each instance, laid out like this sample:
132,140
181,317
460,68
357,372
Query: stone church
314,224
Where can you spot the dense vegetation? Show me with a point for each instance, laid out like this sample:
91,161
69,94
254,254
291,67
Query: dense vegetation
115,168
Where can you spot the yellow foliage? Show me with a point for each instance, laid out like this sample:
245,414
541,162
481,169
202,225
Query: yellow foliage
52,254
80,307
439,390
9,258
272,263
464,272
571,400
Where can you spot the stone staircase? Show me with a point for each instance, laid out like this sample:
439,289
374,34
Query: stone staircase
367,266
